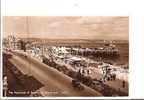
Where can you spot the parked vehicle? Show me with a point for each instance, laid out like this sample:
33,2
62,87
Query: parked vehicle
77,85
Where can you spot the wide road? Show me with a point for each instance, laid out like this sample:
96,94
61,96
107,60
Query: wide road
48,76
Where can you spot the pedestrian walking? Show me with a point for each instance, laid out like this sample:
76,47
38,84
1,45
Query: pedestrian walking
123,84
5,85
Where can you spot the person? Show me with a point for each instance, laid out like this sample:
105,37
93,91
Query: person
88,71
105,72
5,85
123,84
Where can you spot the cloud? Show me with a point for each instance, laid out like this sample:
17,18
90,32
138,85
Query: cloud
88,27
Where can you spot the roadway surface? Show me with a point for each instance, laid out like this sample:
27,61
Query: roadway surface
50,77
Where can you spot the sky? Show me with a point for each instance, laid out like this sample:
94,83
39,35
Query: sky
67,27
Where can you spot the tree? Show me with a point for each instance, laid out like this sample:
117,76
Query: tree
22,45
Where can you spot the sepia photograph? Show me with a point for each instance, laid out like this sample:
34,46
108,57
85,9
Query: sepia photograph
65,56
